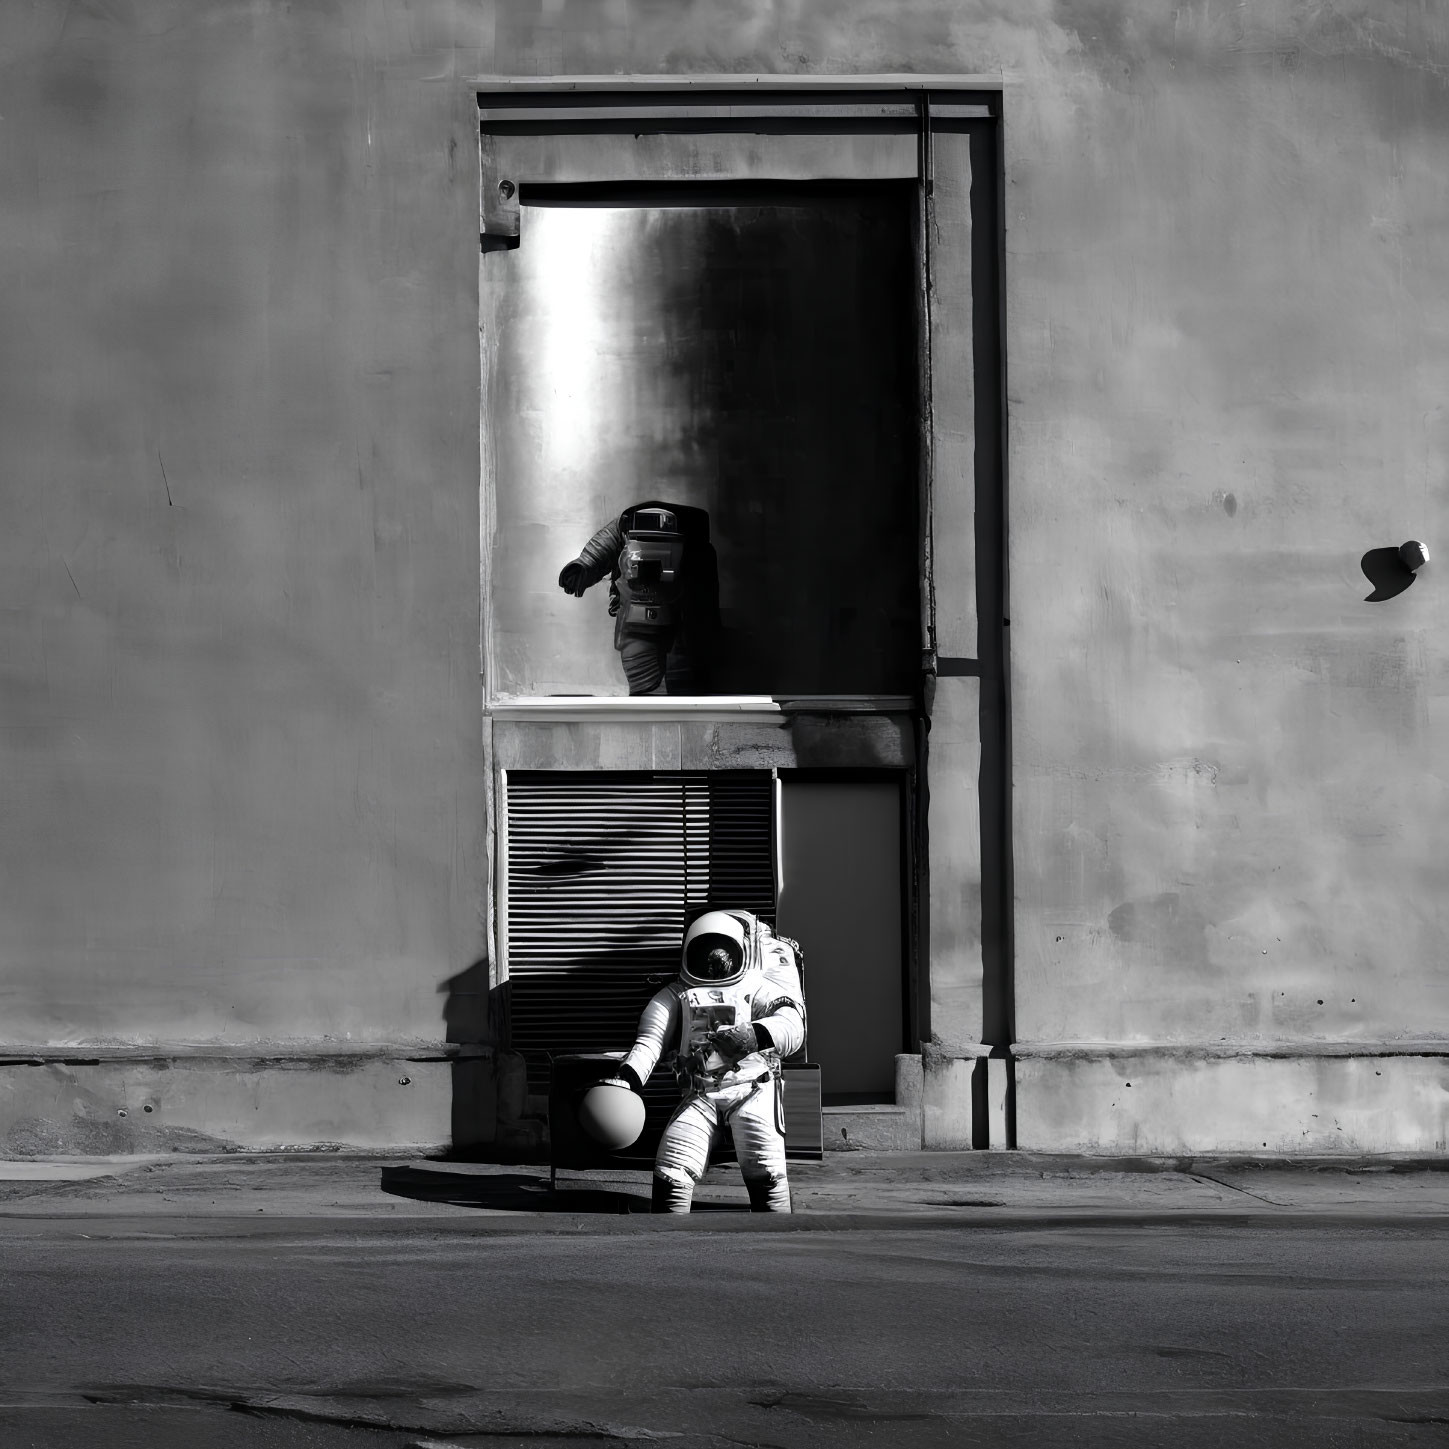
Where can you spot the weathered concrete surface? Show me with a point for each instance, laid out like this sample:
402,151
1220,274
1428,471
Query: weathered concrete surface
947,1115
894,1127
953,399
1228,307
210,1104
856,1189
940,1321
238,562
953,822
243,784
793,741
1170,1101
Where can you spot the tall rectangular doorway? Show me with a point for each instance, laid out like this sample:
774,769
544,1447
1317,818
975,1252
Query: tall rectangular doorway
841,892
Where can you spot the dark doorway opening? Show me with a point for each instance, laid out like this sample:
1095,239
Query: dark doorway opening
843,891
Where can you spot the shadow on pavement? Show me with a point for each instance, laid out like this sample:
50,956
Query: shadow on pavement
519,1192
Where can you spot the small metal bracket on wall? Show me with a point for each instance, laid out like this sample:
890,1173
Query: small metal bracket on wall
498,213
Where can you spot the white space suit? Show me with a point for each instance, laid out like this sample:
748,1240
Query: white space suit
735,1010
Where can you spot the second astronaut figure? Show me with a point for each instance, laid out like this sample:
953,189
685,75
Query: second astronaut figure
663,594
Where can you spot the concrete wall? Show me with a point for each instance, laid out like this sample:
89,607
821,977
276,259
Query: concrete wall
241,750
240,759
1228,310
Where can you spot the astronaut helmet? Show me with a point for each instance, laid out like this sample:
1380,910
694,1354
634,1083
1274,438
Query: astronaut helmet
714,950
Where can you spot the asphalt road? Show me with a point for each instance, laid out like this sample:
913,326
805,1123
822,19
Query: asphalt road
320,1334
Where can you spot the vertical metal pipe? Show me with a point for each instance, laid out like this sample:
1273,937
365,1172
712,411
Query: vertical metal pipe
999,1003
924,243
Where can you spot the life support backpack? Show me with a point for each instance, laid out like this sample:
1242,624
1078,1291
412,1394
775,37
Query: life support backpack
651,566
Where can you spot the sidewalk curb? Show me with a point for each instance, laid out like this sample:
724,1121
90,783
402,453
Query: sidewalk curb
1008,1160
111,1227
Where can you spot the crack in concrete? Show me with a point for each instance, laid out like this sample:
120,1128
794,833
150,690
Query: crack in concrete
519,1428
423,1419
1233,1187
826,1406
583,1423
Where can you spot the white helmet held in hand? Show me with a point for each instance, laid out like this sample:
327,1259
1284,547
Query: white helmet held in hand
612,1114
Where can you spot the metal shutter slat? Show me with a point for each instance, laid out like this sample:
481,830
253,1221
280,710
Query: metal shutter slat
603,871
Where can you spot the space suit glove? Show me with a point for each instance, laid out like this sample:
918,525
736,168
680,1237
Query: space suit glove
734,1042
573,578
626,1076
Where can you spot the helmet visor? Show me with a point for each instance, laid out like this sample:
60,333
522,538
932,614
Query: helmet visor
713,958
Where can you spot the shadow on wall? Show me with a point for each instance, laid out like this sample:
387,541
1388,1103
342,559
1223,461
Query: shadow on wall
489,1083
1386,570
806,363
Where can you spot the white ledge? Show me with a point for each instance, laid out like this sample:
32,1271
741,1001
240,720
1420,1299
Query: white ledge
957,1051
564,708
679,708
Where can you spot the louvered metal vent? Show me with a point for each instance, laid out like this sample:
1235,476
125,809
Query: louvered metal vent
603,872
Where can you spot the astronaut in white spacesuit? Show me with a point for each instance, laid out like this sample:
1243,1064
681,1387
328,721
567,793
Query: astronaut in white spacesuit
734,1011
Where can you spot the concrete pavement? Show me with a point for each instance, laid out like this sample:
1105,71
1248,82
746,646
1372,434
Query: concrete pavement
338,1301
846,1189
328,1333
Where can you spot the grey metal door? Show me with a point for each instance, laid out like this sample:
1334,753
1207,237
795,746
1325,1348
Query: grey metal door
840,894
